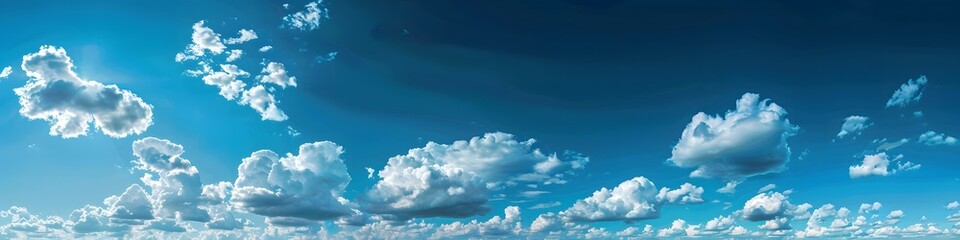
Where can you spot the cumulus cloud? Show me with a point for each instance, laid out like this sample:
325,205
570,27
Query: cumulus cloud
245,36
877,165
6,72
176,189
308,19
441,180
234,55
205,41
266,48
767,187
765,206
57,95
263,102
931,138
853,125
275,73
133,204
295,188
227,79
910,92
634,199
749,140
500,227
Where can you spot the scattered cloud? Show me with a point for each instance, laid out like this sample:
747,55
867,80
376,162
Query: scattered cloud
634,199
931,138
877,165
767,188
275,73
749,140
308,19
245,36
6,72
266,48
545,205
57,95
853,125
910,92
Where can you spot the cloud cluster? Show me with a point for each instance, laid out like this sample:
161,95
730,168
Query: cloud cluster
70,104
294,189
175,187
6,72
749,140
453,180
632,200
308,19
230,78
910,92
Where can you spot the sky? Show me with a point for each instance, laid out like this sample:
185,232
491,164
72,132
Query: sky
432,119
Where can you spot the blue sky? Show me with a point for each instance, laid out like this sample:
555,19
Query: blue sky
609,91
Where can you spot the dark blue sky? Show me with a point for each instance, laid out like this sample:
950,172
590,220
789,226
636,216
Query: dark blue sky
615,80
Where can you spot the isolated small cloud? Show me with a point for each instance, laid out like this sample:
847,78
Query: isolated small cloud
57,95
245,36
263,102
545,205
749,140
910,92
853,125
767,187
308,19
878,165
6,72
175,189
931,138
265,48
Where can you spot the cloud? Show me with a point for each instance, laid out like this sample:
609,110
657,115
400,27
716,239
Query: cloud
545,205
263,102
953,205
910,92
266,48
497,226
6,72
885,146
275,73
931,138
866,208
227,80
441,180
245,36
767,187
766,206
205,40
294,188
877,165
853,125
632,200
176,189
57,95
749,140
235,54
309,18
133,204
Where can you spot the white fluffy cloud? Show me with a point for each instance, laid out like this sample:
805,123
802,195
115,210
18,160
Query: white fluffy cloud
766,206
263,102
295,188
767,187
205,40
749,140
228,79
853,125
454,180
245,36
498,227
275,73
6,72
910,92
57,95
878,164
308,19
133,204
176,189
931,138
634,199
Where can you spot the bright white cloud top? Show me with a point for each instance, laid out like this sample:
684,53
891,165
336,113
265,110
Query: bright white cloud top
909,93
308,19
749,140
70,104
931,138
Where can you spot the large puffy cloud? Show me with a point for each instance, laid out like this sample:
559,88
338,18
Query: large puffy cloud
853,125
294,189
441,180
634,199
910,92
749,140
308,19
176,189
57,95
931,138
